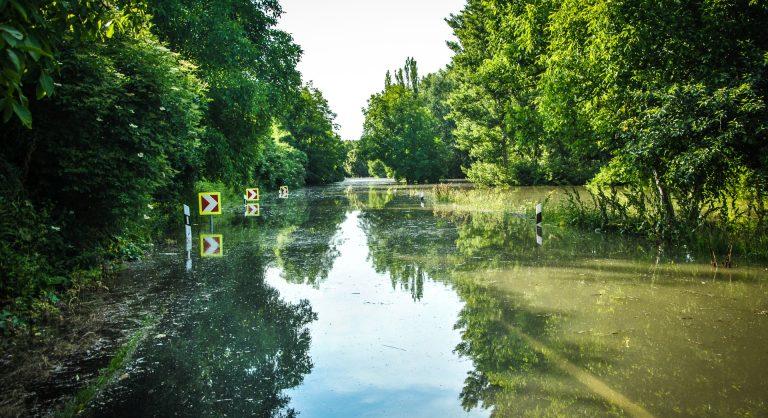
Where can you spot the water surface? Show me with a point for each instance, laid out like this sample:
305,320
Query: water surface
360,300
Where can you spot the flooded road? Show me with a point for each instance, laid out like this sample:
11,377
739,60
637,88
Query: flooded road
356,300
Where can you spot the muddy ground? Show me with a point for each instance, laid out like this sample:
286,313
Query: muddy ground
41,373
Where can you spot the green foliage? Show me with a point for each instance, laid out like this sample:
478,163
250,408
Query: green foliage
27,238
567,92
376,168
131,109
133,126
550,91
310,123
688,143
31,33
281,164
250,68
139,135
355,164
435,90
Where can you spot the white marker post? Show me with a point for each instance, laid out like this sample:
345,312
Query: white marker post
539,230
186,215
188,236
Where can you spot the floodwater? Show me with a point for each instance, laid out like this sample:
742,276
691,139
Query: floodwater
357,300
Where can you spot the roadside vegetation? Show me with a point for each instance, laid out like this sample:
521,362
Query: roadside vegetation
659,108
112,111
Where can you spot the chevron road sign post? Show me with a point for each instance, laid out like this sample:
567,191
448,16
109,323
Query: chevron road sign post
252,209
538,214
209,203
252,194
187,213
211,245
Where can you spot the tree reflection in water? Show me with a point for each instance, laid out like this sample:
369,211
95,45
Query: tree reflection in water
232,347
307,257
511,376
408,245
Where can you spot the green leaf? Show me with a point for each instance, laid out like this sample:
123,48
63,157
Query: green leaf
35,52
110,29
9,38
12,31
33,48
47,83
23,113
14,59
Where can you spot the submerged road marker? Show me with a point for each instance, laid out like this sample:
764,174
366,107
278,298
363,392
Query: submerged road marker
211,245
538,214
252,209
188,237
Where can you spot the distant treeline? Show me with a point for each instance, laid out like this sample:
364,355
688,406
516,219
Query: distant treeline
660,106
113,110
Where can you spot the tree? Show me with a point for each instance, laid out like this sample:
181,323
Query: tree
496,66
435,90
400,131
311,127
251,69
684,125
355,165
108,158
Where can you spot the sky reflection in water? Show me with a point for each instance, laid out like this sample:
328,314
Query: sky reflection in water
377,351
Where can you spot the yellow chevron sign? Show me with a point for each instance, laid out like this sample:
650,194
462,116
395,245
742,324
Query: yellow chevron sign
211,245
209,203
252,209
252,194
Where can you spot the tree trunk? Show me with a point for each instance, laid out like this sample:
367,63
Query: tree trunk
666,202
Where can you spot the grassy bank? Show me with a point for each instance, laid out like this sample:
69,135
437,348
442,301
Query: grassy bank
108,374
730,229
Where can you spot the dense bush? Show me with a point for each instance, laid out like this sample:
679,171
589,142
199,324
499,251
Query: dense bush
355,164
376,168
281,165
118,139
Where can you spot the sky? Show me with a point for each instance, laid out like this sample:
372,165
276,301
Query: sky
350,44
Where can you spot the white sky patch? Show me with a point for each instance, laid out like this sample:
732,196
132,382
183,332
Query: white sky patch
350,44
